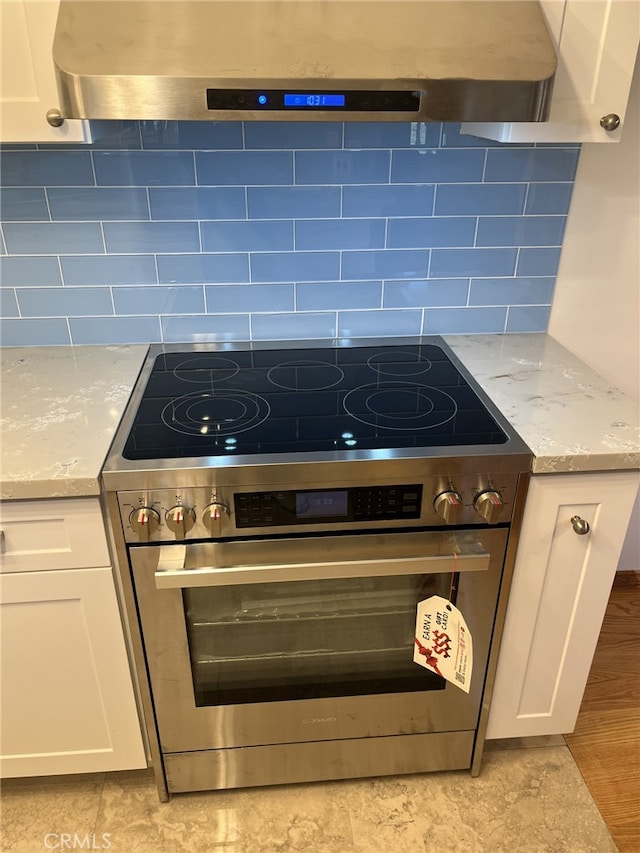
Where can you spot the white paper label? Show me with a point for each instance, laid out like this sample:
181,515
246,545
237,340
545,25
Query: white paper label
443,641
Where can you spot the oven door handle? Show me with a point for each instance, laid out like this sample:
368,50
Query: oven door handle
172,573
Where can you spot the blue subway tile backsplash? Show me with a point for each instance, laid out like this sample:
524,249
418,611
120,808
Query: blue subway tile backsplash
144,168
65,302
243,168
47,169
197,203
23,238
538,261
224,231
8,303
480,199
202,268
340,234
23,204
437,165
69,204
34,271
388,200
531,164
110,270
158,300
132,237
225,298
26,331
247,236
431,231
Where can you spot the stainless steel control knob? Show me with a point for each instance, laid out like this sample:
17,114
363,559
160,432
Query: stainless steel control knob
449,507
144,521
212,514
489,504
180,519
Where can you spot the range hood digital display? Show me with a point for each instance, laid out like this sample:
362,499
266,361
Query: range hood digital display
279,99
313,100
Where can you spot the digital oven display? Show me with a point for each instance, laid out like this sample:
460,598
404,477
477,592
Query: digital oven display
322,504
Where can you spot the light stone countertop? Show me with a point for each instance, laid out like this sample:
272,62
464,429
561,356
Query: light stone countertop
571,417
60,410
61,407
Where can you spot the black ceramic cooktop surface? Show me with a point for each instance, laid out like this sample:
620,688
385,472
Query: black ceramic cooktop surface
223,403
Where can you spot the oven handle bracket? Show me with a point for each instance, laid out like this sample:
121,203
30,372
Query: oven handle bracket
172,574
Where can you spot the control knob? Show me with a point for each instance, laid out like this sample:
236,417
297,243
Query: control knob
180,519
212,514
144,521
449,506
489,504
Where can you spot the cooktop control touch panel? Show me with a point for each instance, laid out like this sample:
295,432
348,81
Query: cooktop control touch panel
371,503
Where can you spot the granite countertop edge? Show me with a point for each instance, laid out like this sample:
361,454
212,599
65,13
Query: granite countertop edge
572,418
61,406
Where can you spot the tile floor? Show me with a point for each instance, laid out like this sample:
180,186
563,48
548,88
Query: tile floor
524,801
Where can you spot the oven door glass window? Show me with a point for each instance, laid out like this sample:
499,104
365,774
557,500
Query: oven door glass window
308,639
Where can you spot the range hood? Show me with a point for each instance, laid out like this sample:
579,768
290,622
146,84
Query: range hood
310,60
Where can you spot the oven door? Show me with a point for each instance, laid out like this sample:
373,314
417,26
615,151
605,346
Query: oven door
284,640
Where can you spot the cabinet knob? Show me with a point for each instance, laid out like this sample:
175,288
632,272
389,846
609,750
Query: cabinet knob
55,118
610,122
580,526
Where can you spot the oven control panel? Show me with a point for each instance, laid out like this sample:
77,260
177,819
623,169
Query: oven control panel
283,508
206,512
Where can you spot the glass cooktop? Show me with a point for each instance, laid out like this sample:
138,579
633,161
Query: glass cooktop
223,403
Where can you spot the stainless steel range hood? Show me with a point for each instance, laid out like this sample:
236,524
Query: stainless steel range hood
311,60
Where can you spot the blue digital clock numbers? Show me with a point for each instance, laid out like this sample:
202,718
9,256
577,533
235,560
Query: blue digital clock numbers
312,99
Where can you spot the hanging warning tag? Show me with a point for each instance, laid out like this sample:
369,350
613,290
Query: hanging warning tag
443,642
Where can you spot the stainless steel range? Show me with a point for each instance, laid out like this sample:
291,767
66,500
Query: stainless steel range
278,511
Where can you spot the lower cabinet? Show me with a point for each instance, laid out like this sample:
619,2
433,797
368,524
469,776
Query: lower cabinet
561,585
67,698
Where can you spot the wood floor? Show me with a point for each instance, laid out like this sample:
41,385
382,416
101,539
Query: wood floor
606,741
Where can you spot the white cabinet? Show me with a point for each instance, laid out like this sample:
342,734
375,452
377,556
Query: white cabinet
27,79
560,589
597,43
66,693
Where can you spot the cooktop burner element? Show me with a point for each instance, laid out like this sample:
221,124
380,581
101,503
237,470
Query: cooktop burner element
305,375
276,401
215,414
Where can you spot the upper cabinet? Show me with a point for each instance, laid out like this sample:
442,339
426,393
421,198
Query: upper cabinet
597,44
27,81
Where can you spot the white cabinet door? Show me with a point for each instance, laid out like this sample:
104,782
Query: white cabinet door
597,43
67,697
27,79
560,589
